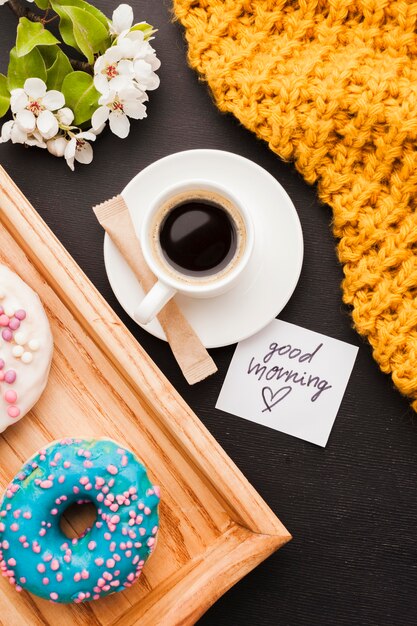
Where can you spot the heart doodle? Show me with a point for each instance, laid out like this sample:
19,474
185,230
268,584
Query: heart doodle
281,393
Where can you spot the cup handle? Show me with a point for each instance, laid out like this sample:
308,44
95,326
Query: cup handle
153,302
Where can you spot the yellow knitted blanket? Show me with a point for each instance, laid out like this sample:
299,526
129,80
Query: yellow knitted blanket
332,85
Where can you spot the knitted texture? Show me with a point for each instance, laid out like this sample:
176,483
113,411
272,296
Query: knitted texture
332,85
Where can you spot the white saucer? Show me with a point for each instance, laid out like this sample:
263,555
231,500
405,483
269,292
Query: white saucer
272,272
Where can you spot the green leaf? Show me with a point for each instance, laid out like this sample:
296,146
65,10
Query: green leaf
81,30
58,71
81,4
49,54
80,95
89,33
4,95
65,26
31,65
82,26
42,4
32,34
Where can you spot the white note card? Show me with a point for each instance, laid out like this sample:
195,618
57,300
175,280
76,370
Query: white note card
290,379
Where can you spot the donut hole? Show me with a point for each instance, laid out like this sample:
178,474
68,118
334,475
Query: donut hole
78,518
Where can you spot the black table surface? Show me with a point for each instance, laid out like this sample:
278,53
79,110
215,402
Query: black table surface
351,506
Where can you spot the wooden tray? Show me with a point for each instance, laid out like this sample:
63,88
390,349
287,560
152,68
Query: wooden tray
215,527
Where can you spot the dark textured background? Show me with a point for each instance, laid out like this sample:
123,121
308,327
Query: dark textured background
352,506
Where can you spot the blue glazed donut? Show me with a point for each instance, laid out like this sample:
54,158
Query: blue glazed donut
35,553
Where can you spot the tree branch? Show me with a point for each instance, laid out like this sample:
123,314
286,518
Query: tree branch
20,11
83,66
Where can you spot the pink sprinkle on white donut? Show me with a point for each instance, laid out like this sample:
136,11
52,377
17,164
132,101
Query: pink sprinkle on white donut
10,396
13,411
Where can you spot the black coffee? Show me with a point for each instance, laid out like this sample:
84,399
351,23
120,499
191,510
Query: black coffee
198,237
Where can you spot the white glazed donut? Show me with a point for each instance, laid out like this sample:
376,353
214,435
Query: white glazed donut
25,348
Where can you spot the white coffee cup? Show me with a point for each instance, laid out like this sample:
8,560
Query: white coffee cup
171,280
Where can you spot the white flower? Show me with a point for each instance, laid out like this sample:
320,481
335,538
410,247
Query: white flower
11,131
130,63
117,108
122,19
112,71
57,146
135,46
32,107
131,43
148,54
79,149
65,116
146,78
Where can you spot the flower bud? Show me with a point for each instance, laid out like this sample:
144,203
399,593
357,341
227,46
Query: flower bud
57,145
65,116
